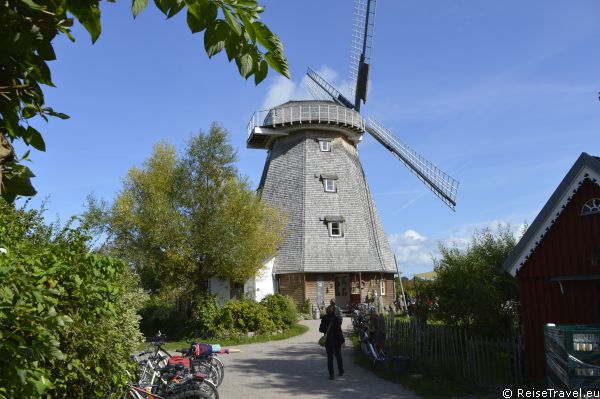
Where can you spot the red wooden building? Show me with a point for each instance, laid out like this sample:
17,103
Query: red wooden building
557,262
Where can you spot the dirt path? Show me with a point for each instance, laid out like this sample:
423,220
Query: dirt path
297,368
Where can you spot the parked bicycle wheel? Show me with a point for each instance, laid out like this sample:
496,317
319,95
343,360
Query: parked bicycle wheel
205,366
187,391
218,364
209,389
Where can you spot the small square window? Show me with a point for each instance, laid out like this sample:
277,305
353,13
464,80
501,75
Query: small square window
330,185
335,229
325,145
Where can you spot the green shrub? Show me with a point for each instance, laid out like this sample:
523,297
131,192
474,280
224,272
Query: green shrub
242,316
68,316
205,312
306,306
281,309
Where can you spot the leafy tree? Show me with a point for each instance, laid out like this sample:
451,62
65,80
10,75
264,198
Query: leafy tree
68,316
469,287
29,26
180,220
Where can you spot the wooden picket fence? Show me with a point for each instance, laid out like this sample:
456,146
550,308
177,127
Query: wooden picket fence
488,362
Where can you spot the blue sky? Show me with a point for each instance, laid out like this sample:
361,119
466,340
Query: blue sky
501,95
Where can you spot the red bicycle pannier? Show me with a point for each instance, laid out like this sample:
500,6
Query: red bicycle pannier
180,360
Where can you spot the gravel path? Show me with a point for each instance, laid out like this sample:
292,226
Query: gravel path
297,368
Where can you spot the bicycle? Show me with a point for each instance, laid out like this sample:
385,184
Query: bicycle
371,344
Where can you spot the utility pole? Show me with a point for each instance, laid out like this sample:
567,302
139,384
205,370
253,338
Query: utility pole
404,305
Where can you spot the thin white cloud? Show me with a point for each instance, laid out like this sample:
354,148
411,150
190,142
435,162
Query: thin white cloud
413,235
282,89
415,252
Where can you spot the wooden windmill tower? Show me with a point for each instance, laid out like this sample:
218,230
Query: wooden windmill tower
334,244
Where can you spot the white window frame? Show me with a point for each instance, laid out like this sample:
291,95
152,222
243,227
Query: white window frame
330,185
591,207
325,145
382,286
339,228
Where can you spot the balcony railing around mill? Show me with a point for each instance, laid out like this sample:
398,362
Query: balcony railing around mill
301,114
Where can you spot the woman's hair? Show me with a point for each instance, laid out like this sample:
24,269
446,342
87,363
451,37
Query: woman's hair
330,309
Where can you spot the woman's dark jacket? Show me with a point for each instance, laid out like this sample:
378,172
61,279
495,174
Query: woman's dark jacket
335,336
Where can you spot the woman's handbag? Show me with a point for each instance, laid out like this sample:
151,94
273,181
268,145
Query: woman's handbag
323,339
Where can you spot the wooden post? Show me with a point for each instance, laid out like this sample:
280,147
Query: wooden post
360,287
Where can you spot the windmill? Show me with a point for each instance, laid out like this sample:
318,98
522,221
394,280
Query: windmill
334,245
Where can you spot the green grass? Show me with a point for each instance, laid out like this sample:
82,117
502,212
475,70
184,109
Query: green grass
428,384
297,329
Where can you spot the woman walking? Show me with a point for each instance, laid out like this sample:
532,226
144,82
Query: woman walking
332,326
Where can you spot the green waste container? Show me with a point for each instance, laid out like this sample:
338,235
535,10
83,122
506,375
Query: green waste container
572,356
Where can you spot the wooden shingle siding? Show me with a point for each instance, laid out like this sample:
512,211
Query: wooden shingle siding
328,288
292,183
311,288
293,286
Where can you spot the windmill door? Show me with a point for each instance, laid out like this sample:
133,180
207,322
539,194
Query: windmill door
342,295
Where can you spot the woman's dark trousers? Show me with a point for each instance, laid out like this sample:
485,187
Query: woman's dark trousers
337,351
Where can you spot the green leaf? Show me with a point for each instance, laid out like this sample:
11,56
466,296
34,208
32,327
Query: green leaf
278,63
138,6
264,36
164,5
249,27
201,13
16,182
175,9
247,3
31,4
56,353
88,15
232,21
245,63
215,36
43,74
169,7
233,45
51,112
29,110
46,51
260,71
33,138
22,374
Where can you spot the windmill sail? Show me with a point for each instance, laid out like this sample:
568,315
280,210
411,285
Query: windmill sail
442,185
363,31
320,88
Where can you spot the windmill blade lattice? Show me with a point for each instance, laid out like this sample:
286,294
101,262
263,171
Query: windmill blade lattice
317,91
442,184
363,32
319,87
